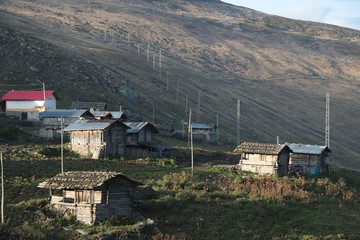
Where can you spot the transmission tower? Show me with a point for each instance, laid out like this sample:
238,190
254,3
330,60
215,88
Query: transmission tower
327,121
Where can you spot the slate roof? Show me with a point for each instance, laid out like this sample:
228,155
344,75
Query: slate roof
26,95
307,149
135,127
81,180
64,113
260,148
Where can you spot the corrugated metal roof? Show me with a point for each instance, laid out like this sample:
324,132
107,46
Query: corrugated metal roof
307,149
63,113
259,148
81,180
135,127
26,95
85,125
118,115
202,126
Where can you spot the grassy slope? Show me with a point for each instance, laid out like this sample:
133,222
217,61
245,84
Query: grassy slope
217,203
280,69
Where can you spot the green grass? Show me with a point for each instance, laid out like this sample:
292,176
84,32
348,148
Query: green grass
214,203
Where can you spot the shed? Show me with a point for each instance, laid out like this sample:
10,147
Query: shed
91,196
264,158
204,132
139,138
98,137
309,159
94,106
27,104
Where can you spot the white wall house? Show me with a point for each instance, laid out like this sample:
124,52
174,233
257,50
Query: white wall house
28,104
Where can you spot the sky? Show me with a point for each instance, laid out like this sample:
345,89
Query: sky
344,13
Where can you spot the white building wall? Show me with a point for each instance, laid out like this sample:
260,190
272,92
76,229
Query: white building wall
24,106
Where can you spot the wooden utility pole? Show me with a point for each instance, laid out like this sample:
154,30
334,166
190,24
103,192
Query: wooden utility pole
191,144
186,104
177,90
238,123
167,81
160,64
327,121
154,61
62,145
148,54
217,127
199,105
2,188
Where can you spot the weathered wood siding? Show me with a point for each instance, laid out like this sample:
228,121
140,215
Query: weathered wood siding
259,163
310,164
144,135
112,141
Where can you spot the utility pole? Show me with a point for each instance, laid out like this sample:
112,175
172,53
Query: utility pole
191,144
148,54
2,188
160,64
177,90
154,61
217,127
153,112
238,123
167,81
62,145
199,104
277,140
186,104
327,121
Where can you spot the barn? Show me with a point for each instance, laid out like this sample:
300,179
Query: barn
264,158
98,138
204,132
27,104
309,159
91,196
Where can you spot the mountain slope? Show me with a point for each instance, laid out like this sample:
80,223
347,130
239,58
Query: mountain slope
214,52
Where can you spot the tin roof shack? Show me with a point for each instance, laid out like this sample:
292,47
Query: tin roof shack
140,138
309,159
98,137
204,132
264,158
27,104
50,121
91,196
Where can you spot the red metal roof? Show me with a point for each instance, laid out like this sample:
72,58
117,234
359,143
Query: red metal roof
26,95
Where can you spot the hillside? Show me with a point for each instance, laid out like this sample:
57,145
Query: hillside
279,68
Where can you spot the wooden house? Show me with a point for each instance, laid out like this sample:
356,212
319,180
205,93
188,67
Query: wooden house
264,158
204,132
27,104
91,196
98,137
140,138
309,159
93,106
50,121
